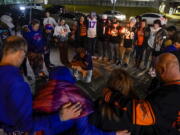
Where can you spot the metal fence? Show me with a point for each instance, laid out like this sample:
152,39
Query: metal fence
106,3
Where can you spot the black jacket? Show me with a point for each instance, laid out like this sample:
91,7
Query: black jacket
165,102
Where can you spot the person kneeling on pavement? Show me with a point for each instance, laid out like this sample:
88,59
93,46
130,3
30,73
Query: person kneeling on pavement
82,65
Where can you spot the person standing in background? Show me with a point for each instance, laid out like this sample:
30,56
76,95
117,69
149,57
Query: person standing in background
81,32
73,41
61,34
49,20
128,41
115,41
48,34
91,33
103,35
153,30
36,46
139,43
158,44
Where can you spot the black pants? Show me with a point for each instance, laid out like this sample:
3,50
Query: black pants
63,49
103,48
82,41
139,52
47,59
91,45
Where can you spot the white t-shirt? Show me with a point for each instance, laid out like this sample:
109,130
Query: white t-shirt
152,37
50,20
62,32
92,28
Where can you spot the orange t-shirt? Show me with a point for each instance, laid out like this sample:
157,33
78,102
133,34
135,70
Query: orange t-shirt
140,38
83,30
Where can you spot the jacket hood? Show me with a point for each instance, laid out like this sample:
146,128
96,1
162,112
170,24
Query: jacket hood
62,74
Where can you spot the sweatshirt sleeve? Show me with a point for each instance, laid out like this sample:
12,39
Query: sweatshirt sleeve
54,22
68,29
44,21
85,128
56,31
20,103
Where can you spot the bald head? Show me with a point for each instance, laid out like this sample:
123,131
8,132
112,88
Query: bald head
167,67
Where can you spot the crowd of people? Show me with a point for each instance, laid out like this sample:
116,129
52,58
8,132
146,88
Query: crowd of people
104,39
60,105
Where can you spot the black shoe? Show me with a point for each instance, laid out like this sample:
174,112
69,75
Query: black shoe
118,62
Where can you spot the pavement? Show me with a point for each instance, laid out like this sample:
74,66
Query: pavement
101,73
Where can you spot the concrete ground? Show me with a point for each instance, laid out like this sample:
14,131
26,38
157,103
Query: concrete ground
101,72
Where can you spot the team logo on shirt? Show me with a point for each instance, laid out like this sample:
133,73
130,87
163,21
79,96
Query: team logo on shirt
37,37
92,24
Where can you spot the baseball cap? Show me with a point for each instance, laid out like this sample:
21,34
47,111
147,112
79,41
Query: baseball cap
48,27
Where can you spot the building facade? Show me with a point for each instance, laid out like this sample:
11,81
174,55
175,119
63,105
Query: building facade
134,3
19,1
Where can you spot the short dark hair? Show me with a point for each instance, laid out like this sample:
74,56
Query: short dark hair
35,21
172,28
144,20
13,44
157,22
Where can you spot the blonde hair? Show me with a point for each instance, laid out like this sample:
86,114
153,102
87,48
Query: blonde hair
120,88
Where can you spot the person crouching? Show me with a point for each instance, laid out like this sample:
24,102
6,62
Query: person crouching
82,65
